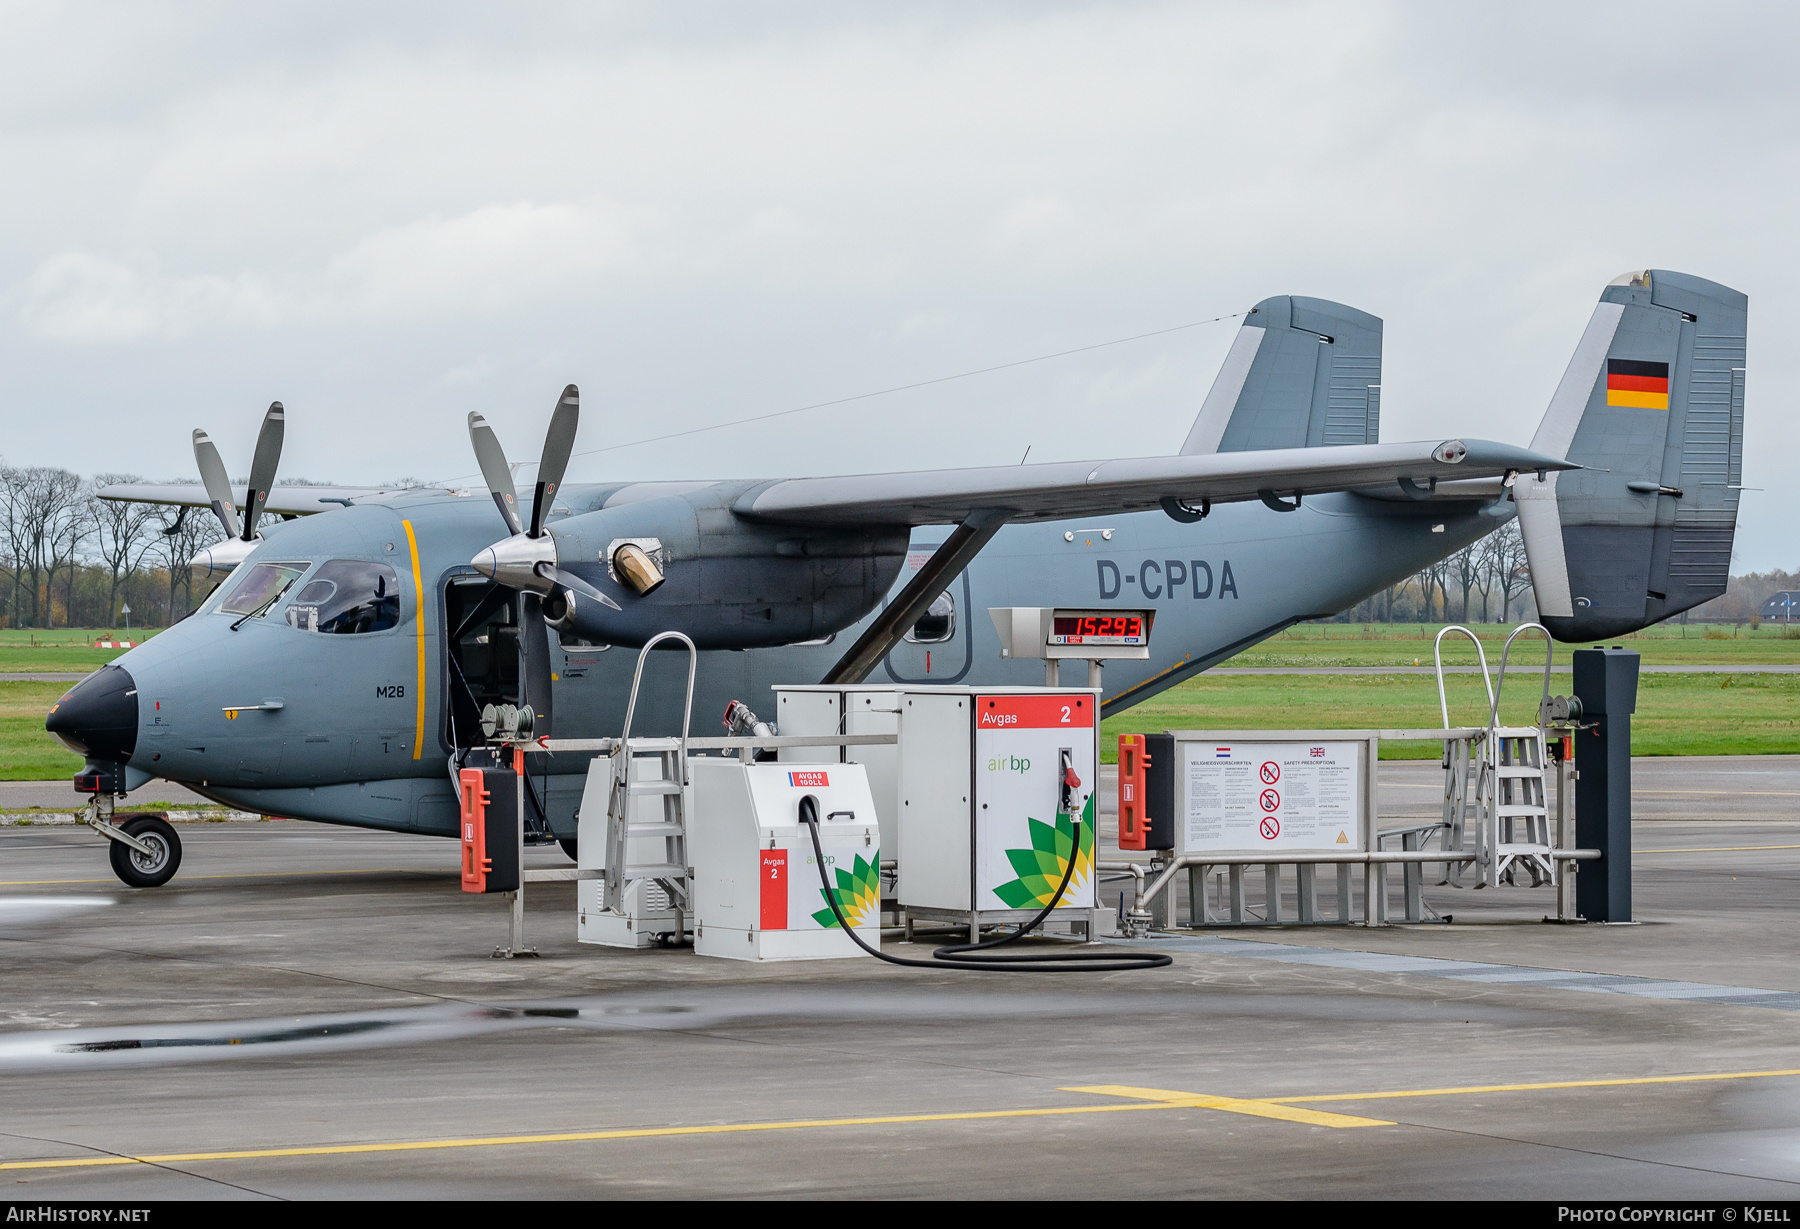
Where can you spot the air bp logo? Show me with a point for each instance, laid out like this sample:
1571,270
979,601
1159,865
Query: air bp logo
858,893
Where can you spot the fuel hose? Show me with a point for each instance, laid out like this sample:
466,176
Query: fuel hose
981,956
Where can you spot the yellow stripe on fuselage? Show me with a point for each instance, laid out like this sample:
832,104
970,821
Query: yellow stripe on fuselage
412,544
1637,400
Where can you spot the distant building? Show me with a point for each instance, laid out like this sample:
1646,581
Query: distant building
1784,607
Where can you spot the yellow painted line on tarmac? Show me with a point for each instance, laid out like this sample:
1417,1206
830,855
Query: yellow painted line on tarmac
1231,1105
572,1137
1480,1088
1282,1108
1725,793
373,870
1715,849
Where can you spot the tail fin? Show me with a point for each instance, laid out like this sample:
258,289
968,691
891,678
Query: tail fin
1302,372
1653,405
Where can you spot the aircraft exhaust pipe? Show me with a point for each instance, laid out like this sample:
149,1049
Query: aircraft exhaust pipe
639,570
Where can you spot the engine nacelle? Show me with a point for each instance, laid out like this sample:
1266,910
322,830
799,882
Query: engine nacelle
726,582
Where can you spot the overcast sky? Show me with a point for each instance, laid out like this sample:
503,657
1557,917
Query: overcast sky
388,215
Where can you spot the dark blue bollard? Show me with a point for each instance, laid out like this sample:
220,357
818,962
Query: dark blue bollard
1606,682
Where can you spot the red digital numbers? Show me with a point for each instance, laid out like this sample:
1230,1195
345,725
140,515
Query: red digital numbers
1089,627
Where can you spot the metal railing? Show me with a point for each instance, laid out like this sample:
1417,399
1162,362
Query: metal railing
1374,885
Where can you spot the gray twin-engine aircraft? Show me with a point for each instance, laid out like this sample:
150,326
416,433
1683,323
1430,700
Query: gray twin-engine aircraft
341,667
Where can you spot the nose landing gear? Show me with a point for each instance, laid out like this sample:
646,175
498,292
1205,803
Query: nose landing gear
144,850
156,857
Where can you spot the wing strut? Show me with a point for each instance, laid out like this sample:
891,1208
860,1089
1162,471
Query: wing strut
958,550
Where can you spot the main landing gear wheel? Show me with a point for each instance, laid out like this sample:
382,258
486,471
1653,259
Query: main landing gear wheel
568,847
152,870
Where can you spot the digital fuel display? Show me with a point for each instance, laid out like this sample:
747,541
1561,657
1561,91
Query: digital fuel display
1072,627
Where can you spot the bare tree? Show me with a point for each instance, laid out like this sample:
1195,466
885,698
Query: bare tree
13,515
124,533
1487,572
1465,567
1433,581
71,529
44,524
175,545
1507,563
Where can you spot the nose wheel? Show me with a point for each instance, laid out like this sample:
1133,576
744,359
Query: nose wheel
155,859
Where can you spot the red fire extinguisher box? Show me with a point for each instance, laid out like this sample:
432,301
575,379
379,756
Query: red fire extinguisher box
490,829
1146,791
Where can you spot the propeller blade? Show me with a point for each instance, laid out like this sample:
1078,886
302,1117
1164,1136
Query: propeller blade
262,468
217,483
495,471
534,664
575,584
559,441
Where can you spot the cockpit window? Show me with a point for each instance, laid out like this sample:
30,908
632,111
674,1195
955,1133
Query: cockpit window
345,597
261,587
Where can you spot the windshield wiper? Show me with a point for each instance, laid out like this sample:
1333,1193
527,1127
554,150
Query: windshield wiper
264,608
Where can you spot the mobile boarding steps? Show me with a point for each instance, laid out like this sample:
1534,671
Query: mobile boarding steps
1494,785
636,880
650,895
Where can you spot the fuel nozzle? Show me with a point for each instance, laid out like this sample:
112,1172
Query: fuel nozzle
1070,783
740,722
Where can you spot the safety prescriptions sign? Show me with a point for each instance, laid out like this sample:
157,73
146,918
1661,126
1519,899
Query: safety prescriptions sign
1285,797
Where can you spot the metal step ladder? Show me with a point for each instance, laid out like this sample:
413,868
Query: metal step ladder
1514,837
645,897
1494,788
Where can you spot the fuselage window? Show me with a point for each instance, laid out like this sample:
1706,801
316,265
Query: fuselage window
261,587
346,597
937,624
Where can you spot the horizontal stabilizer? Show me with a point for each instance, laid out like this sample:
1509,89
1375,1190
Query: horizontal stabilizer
1302,373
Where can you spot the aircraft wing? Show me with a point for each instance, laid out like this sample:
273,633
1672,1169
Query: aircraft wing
284,500
1061,489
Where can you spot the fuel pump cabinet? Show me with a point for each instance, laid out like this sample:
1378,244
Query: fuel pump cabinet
991,784
757,892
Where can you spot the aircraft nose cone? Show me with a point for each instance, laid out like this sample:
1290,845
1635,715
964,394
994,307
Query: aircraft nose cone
98,717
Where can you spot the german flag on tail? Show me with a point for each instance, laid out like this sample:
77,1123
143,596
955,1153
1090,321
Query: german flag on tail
1633,382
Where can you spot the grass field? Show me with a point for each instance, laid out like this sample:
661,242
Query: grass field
1678,714
60,650
27,753
1404,644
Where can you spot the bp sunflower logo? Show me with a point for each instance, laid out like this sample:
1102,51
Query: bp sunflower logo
858,893
1041,868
